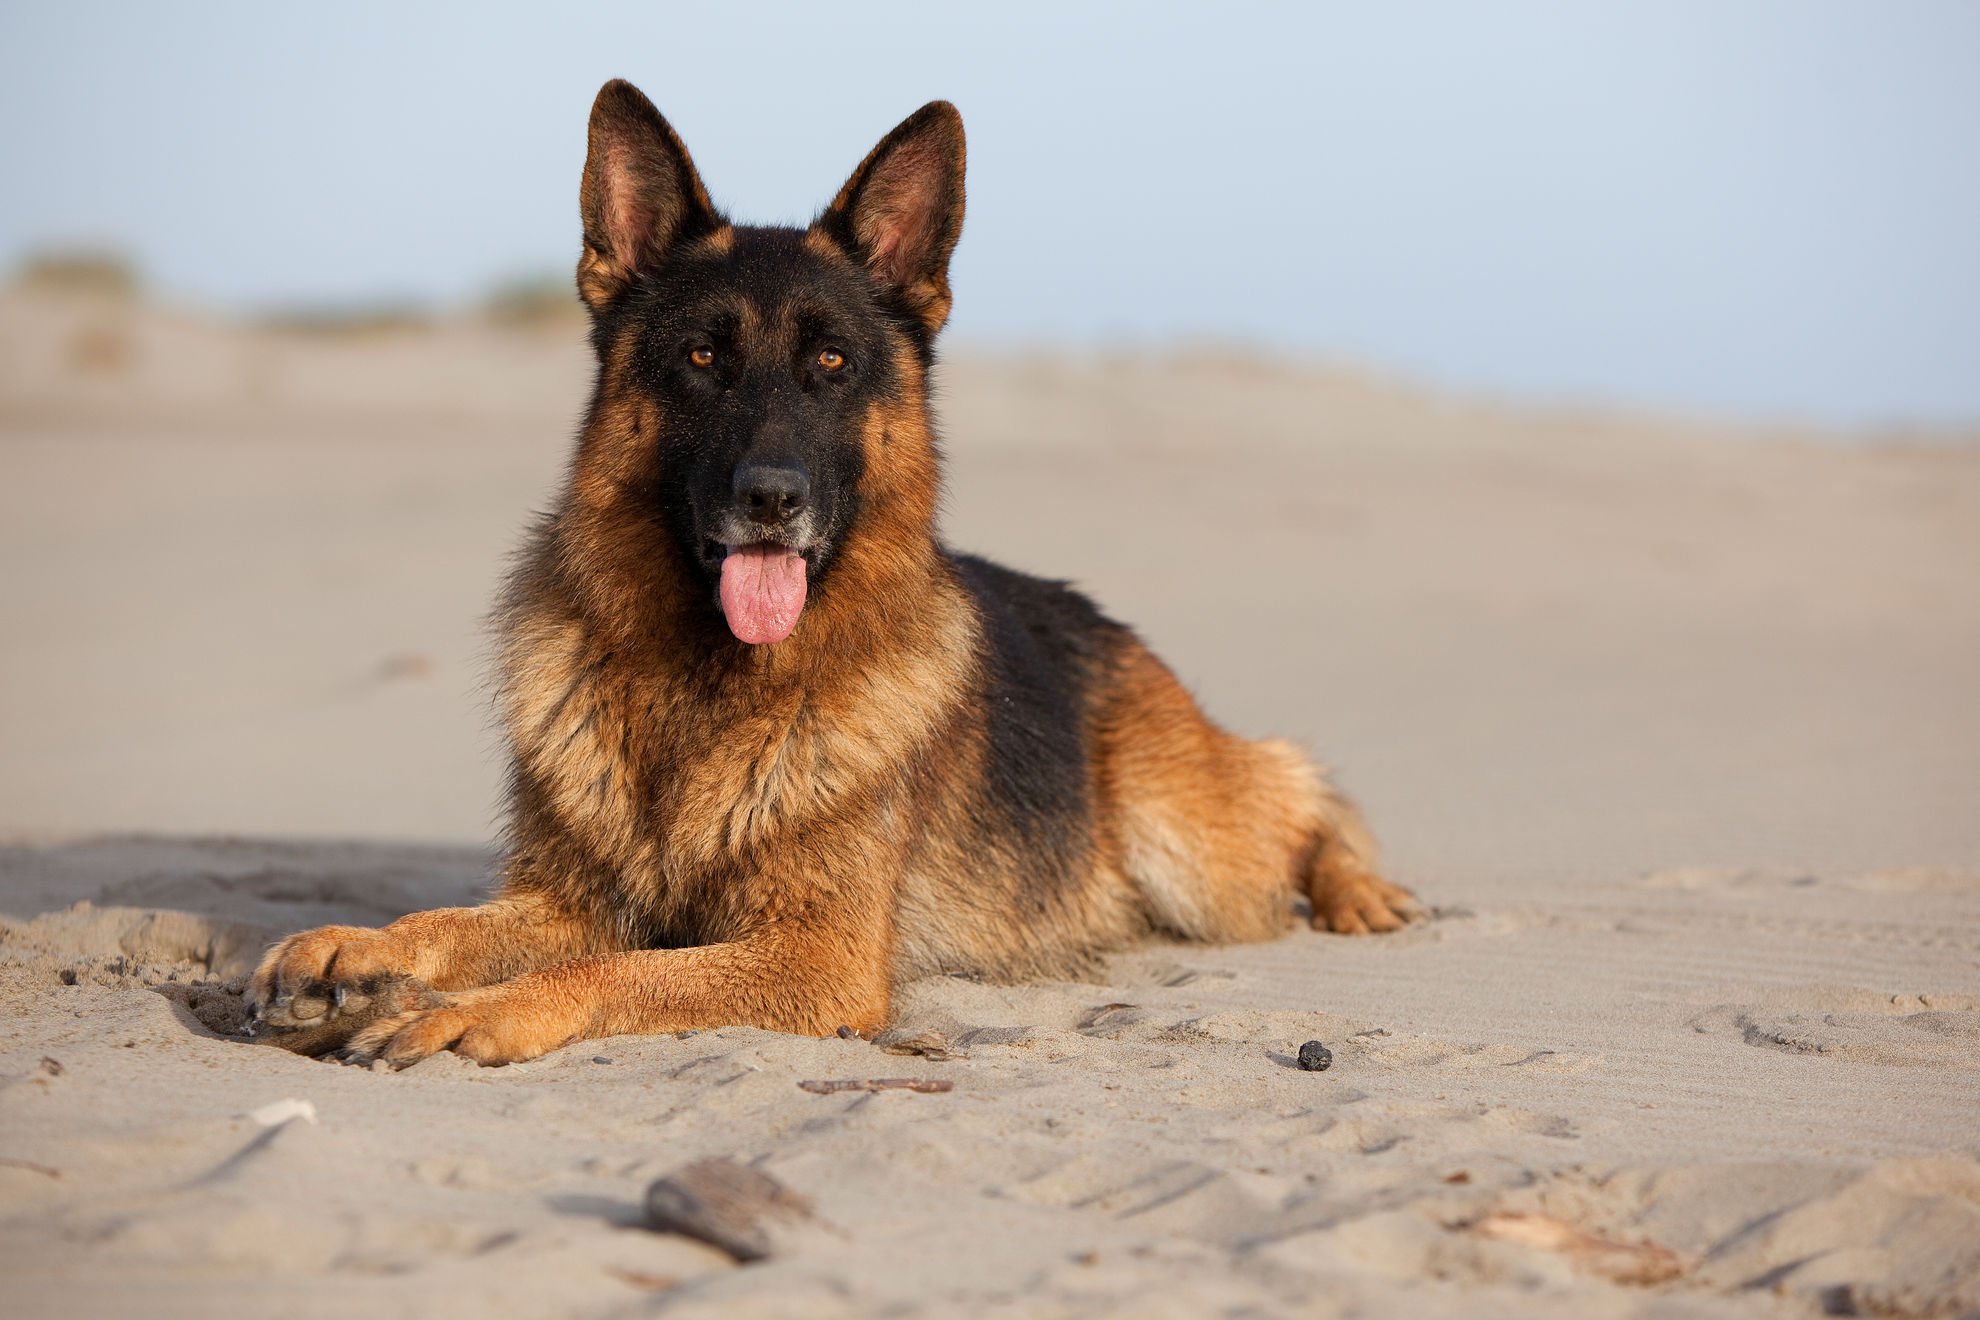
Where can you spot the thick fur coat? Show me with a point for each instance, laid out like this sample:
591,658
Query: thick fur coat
775,748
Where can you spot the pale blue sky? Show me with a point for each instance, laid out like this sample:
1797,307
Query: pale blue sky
1763,209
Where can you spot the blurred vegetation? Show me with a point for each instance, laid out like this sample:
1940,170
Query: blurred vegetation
366,318
545,299
102,273
538,300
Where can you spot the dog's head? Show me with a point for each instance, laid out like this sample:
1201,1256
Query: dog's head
761,393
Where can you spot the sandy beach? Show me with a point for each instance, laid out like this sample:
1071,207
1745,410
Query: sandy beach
1674,725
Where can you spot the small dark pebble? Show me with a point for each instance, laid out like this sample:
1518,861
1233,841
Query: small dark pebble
599,1058
1315,1057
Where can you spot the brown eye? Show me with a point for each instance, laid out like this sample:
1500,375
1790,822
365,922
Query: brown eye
702,357
831,359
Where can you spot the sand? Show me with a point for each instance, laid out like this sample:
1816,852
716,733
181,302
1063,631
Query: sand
1675,726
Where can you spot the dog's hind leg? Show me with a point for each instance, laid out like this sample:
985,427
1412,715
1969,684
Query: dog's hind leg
1217,832
1340,872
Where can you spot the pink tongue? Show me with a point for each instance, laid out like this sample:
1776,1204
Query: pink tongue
762,592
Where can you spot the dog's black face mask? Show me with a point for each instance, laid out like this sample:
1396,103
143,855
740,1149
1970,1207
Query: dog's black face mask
765,362
764,351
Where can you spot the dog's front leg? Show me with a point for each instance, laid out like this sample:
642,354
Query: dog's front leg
299,980
795,975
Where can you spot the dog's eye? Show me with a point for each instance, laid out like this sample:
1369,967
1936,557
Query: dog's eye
831,359
702,357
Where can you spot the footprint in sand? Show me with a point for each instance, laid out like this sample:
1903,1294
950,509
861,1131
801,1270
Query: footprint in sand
1853,1025
1423,1052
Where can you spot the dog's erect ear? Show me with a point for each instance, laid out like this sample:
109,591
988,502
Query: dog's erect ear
902,211
640,194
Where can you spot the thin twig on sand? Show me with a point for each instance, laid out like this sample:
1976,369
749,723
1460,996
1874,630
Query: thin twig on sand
925,1085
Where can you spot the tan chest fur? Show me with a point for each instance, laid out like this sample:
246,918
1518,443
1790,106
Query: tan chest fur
670,781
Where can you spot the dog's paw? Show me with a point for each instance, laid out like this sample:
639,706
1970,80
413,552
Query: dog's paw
1355,903
308,979
490,1026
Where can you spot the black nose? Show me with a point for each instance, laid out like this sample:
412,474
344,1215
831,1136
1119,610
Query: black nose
771,493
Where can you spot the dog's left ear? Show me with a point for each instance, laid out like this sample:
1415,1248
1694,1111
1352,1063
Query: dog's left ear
901,212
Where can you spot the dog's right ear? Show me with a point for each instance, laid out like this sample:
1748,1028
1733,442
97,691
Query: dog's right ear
640,194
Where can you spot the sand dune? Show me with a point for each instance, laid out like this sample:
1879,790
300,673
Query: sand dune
1674,727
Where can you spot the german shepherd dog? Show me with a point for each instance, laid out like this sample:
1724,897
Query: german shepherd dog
775,748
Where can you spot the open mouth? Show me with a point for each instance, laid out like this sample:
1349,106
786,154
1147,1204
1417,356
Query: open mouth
714,552
762,589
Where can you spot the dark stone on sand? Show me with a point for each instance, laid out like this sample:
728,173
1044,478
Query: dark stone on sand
728,1205
1315,1057
932,1045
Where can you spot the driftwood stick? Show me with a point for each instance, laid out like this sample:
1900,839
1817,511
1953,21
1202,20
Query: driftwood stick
925,1085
